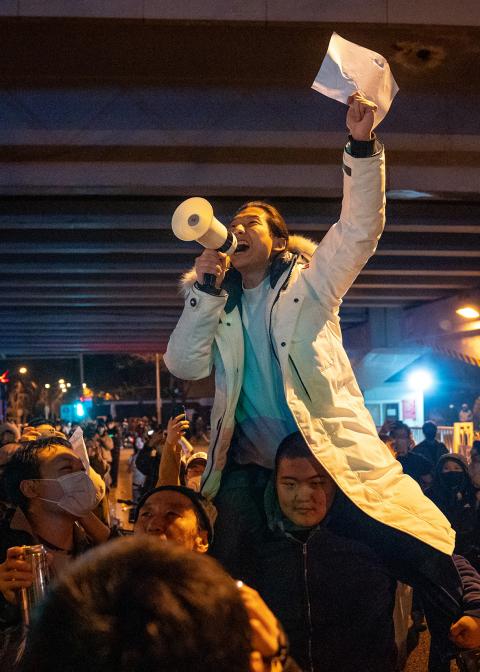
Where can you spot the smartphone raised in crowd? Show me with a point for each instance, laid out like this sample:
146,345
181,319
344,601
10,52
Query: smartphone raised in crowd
178,409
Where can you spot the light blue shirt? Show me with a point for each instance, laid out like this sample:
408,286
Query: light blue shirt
262,415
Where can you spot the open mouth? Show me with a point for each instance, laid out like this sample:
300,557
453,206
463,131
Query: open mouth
242,247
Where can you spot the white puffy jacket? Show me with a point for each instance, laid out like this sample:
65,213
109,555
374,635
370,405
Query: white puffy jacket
319,384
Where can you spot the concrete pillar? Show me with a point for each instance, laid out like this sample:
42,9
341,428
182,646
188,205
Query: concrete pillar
385,327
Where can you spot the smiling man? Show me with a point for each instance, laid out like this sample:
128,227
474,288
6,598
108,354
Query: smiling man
270,327
305,491
174,513
329,573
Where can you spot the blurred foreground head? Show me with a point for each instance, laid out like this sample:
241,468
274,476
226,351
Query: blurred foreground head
139,605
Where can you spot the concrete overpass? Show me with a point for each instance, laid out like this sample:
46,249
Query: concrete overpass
112,112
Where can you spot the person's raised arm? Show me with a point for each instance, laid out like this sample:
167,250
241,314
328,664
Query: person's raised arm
350,242
169,472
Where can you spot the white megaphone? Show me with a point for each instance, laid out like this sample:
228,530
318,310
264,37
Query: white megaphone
194,220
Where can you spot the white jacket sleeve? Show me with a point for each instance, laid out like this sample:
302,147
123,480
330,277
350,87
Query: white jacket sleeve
350,242
189,354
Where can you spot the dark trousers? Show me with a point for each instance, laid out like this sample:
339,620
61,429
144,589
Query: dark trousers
432,574
239,503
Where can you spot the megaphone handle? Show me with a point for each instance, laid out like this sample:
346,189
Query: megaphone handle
209,280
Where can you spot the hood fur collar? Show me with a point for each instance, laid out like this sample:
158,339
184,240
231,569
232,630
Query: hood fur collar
299,246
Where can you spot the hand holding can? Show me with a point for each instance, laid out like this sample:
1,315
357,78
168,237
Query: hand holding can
36,558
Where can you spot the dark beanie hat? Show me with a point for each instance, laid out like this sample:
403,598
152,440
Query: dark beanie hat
199,504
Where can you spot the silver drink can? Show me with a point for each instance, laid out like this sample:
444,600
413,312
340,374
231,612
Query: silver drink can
36,556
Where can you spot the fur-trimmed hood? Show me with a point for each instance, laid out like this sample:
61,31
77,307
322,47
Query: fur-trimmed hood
299,246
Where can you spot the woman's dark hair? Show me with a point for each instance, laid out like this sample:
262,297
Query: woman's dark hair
24,465
275,221
141,605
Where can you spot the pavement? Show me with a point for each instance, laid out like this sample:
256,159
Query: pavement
418,659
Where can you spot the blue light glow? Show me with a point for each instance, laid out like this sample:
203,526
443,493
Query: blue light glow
421,379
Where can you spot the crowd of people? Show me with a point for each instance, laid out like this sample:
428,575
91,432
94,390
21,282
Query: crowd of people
310,518
310,529
50,496
450,480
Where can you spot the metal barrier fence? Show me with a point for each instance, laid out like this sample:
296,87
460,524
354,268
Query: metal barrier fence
444,434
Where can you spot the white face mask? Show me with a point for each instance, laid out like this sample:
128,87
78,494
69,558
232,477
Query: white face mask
79,493
98,484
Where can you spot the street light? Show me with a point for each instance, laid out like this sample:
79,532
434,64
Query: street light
47,386
468,312
61,381
23,370
69,384
420,379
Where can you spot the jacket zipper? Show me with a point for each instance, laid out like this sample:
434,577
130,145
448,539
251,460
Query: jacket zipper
309,612
299,377
294,261
219,426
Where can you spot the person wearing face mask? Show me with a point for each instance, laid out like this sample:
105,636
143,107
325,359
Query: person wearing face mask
54,496
41,428
453,492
